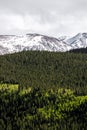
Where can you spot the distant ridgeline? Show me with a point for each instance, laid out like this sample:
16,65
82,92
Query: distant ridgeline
80,50
45,69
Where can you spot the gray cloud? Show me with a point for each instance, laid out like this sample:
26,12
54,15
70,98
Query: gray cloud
51,17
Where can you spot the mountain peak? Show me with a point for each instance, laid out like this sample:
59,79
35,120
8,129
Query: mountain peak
13,43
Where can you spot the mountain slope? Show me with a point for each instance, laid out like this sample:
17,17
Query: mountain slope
45,69
13,43
78,41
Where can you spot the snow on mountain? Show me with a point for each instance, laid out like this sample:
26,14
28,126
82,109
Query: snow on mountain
13,43
78,41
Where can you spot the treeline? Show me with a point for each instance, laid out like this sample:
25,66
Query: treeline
45,70
41,109
79,50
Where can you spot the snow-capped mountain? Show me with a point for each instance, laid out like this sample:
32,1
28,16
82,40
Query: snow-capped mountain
78,41
13,43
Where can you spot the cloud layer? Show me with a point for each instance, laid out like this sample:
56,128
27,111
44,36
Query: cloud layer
49,17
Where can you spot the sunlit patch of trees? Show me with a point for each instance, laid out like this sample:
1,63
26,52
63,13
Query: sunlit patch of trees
40,109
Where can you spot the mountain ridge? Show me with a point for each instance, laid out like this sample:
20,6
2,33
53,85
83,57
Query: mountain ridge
14,43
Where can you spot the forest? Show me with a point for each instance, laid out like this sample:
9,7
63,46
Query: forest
79,50
43,91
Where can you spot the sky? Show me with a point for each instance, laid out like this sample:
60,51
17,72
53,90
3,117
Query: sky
48,17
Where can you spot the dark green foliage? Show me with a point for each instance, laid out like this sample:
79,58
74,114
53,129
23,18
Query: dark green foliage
44,106
80,50
45,69
42,110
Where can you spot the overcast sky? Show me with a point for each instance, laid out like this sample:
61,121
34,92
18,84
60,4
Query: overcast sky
49,17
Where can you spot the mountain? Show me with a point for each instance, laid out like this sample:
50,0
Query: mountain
13,43
78,41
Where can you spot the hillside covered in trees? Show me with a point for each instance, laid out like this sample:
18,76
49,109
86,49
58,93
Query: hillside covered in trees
43,91
45,69
79,50
38,109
